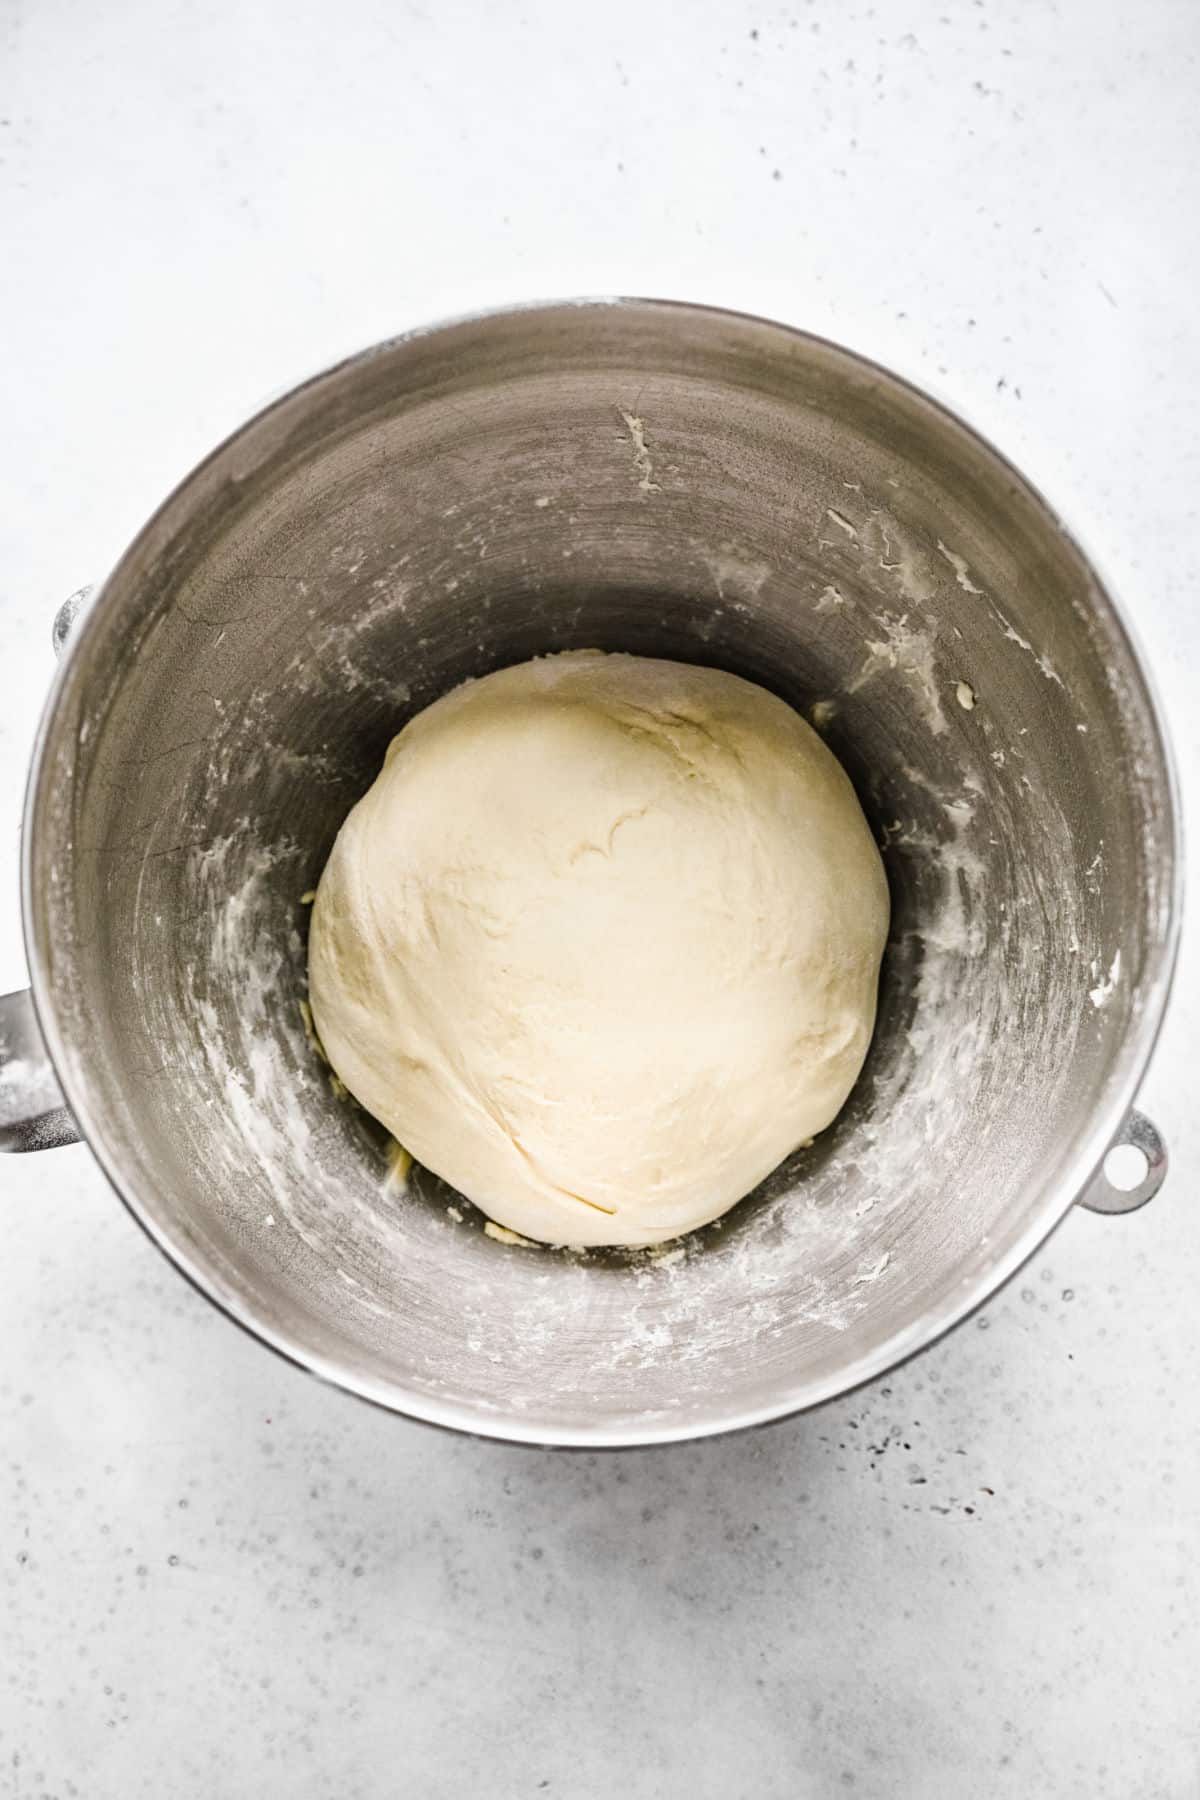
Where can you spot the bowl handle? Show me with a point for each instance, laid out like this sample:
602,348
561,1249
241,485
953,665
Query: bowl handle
33,1114
1139,1135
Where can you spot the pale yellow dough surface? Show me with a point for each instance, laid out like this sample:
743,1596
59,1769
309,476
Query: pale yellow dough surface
601,944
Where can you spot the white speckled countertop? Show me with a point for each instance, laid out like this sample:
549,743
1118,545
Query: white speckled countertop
981,1576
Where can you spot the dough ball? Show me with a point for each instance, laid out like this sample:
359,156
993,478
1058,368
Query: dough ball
601,944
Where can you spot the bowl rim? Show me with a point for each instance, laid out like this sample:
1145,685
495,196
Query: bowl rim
1121,1087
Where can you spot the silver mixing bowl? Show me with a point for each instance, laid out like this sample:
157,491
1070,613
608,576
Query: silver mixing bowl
654,478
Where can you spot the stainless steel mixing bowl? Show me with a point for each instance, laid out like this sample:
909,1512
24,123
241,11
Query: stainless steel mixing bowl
654,478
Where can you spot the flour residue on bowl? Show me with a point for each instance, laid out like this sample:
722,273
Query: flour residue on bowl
843,1226
911,652
962,575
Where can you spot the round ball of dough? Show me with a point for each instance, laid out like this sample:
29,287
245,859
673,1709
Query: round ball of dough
601,944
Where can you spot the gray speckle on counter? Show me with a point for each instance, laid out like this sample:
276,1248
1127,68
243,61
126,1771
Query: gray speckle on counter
979,1576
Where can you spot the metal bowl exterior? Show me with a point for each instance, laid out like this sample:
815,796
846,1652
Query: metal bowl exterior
645,476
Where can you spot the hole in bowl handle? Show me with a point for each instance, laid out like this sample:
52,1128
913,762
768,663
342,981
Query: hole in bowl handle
33,1114
1102,1196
